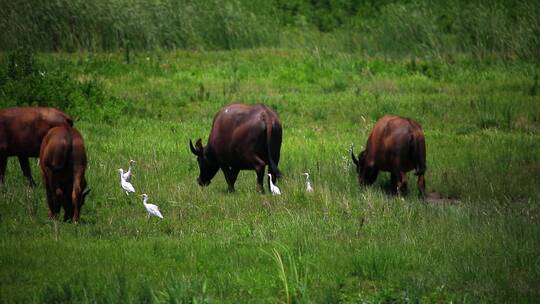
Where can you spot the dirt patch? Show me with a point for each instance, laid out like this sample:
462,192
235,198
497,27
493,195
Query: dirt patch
437,199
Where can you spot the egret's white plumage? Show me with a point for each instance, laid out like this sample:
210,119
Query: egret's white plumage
309,188
152,209
127,186
127,175
273,188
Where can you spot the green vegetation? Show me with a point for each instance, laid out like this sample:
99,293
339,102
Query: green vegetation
343,243
141,78
506,29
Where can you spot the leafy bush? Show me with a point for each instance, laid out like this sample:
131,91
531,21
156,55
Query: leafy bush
25,82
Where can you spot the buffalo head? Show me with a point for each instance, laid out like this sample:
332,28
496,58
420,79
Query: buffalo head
207,167
366,173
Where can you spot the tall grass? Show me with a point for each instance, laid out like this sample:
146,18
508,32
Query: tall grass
342,243
442,29
112,25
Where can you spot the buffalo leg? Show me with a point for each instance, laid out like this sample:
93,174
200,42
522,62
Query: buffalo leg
260,179
68,210
259,166
3,163
58,199
54,198
402,183
50,199
421,182
50,194
230,176
394,177
25,167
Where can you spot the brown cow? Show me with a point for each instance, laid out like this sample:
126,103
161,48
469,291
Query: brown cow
397,145
63,163
21,133
243,137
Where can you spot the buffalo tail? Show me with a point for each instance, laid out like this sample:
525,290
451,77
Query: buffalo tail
418,147
271,129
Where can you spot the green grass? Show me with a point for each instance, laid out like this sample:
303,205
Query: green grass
342,243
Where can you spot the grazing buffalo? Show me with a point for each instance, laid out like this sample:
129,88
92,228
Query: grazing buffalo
21,132
396,145
62,159
243,137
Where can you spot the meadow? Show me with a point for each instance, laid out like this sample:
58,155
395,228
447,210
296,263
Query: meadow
343,243
141,78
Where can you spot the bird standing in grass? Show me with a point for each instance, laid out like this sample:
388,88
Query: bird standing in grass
309,188
152,209
127,186
127,175
273,188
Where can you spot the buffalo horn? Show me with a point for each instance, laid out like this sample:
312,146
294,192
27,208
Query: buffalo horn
193,150
354,159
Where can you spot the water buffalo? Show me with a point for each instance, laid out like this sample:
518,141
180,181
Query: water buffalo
397,145
21,132
62,160
243,137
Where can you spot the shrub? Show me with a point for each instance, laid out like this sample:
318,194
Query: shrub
25,82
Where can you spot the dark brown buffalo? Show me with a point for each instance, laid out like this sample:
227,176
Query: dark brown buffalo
63,163
21,132
243,137
396,145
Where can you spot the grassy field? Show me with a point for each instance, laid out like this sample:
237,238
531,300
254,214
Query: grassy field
341,243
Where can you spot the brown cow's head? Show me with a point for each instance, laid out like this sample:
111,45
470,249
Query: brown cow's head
366,174
207,166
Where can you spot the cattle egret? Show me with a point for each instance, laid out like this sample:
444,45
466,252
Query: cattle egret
127,175
309,188
152,209
127,186
273,188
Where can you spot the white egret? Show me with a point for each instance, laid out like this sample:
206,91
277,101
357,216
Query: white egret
127,175
273,188
127,186
152,209
309,188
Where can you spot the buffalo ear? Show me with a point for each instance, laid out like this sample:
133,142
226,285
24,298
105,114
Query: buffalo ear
354,159
193,150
